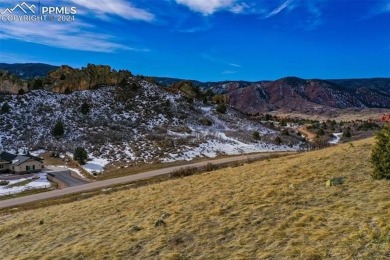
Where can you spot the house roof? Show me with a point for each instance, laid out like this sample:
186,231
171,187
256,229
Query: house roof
18,159
7,156
36,158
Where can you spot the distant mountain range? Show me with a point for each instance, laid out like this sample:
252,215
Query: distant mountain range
310,96
288,94
294,94
28,70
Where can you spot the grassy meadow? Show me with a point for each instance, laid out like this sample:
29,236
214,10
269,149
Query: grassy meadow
279,208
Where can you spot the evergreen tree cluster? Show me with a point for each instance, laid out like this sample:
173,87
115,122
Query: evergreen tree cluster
380,156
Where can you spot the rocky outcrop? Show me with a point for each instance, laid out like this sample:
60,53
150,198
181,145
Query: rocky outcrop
11,84
67,79
385,118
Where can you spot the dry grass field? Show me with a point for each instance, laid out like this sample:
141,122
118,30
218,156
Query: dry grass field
349,114
274,209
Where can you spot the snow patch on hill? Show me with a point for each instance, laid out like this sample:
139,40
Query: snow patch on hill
38,181
132,126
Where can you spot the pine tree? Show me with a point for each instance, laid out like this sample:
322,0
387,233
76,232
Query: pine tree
320,132
380,156
256,135
85,108
5,108
80,155
278,140
347,132
58,129
221,108
21,92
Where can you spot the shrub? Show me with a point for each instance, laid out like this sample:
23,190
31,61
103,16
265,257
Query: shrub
220,99
123,83
21,92
205,122
80,155
68,91
4,183
267,117
347,133
85,108
278,140
37,84
58,129
5,108
380,156
285,132
256,135
221,108
320,132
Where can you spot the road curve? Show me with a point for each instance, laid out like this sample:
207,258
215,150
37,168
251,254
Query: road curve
121,180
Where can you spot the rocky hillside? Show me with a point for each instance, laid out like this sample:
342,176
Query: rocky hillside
294,94
62,79
67,79
10,83
136,121
286,94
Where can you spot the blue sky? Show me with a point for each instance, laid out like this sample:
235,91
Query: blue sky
211,40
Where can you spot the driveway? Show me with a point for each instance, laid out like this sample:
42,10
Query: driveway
64,176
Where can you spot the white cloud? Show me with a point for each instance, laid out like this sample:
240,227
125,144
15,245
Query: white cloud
315,16
75,35
208,7
239,8
382,7
386,7
120,8
235,65
279,9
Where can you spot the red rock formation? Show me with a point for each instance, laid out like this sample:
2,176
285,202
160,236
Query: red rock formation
292,94
385,118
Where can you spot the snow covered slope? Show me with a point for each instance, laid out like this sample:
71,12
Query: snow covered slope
133,123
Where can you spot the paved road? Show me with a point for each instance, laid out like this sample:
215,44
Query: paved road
65,177
121,180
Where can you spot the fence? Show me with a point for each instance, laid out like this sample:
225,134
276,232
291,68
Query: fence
5,193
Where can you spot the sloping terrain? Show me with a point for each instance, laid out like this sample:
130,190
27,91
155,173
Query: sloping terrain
288,94
295,94
275,209
308,96
136,122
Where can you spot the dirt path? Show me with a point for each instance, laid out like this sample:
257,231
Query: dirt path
122,180
309,135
